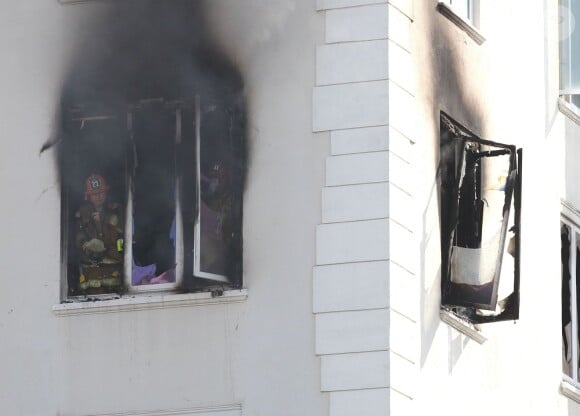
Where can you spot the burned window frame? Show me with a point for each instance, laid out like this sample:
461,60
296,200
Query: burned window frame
187,208
454,139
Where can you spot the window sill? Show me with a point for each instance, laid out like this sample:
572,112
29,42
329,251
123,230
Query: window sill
75,1
460,22
570,391
147,302
569,110
462,326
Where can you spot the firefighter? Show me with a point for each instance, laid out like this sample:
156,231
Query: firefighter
100,229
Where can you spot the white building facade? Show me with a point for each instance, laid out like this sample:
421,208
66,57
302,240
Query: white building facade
329,299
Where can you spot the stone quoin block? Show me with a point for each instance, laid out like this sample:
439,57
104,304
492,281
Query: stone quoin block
351,286
352,331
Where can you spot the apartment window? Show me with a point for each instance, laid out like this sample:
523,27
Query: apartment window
152,197
479,183
463,8
569,51
570,236
468,10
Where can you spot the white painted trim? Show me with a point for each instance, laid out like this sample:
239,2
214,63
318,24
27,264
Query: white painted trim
569,110
462,326
570,390
460,22
225,410
571,213
148,302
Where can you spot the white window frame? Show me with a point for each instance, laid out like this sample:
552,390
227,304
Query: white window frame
228,283
466,9
463,8
466,17
179,258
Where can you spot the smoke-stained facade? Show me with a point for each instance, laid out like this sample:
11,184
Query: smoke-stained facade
235,209
156,110
148,96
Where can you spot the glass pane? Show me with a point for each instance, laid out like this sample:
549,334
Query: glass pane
569,47
565,234
154,197
216,219
96,205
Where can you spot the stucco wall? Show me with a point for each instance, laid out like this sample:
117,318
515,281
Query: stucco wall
260,352
505,96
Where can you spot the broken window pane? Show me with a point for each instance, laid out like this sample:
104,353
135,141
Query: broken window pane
479,239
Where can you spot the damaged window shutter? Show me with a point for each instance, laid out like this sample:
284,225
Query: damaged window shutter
479,183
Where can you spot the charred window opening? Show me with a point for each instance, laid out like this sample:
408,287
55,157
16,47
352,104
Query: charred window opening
480,183
152,155
570,236
169,175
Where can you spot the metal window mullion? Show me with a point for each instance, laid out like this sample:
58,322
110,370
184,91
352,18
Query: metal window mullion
197,224
179,248
65,229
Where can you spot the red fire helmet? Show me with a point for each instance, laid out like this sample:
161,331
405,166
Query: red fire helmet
95,184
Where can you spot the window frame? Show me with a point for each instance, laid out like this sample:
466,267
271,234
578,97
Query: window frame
463,10
468,22
182,284
470,311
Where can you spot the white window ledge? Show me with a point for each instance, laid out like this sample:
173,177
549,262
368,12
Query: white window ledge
569,110
460,22
570,390
462,326
145,302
